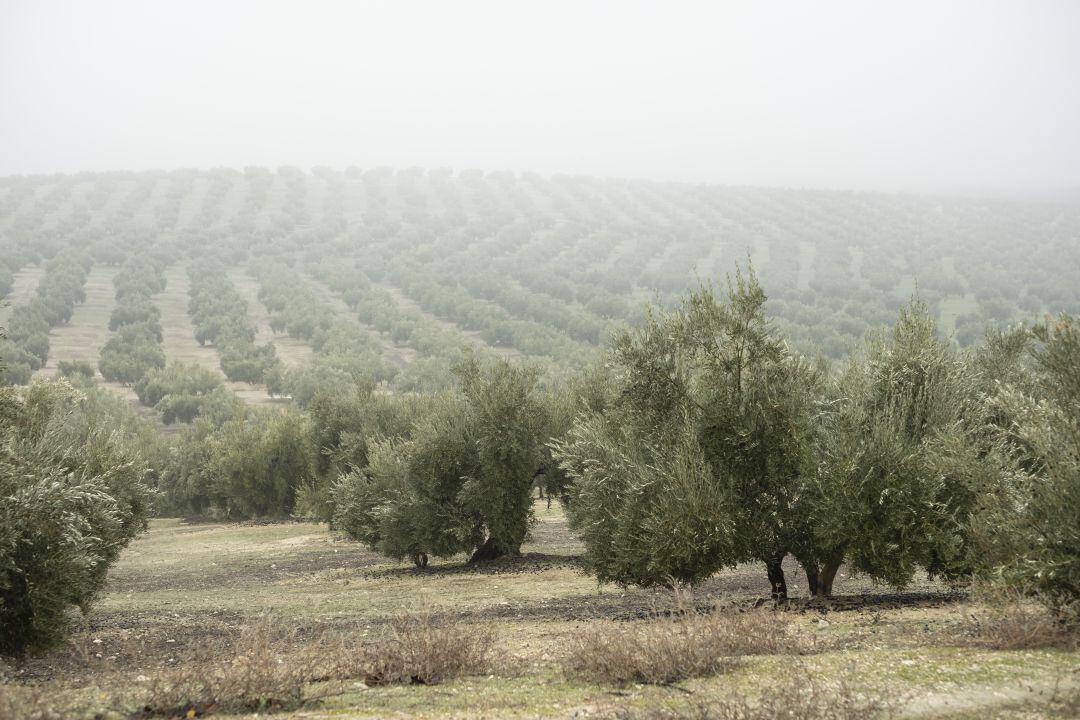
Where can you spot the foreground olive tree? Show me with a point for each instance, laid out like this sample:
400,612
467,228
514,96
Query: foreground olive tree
461,481
723,446
72,495
903,458
702,460
1029,534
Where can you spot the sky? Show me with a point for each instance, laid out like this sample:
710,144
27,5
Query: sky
964,96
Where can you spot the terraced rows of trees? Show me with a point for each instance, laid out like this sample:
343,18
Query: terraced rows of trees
547,267
472,334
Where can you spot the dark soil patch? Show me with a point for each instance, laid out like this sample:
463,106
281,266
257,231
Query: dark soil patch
639,604
254,522
516,565
130,643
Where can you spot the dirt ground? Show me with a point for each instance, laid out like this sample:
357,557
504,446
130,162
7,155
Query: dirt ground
185,586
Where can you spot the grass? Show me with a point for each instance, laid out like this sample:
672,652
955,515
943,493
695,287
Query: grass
83,335
682,643
1009,621
293,352
259,672
25,281
800,697
178,336
182,594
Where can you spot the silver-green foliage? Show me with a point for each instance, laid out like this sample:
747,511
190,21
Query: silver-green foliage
1030,533
701,460
461,481
72,495
724,446
896,480
256,462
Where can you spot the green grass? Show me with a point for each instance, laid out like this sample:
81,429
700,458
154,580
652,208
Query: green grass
22,289
178,333
954,306
293,352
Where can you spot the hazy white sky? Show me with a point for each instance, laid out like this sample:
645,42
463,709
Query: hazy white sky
972,95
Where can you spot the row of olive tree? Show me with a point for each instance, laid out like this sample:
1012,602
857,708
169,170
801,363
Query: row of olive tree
221,318
238,462
345,354
26,348
704,442
719,445
134,349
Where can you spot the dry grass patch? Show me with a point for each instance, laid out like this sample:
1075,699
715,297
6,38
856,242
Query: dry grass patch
672,647
800,698
421,649
260,673
1065,700
1006,620
32,703
268,671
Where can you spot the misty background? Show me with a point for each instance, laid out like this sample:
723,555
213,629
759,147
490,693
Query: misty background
966,97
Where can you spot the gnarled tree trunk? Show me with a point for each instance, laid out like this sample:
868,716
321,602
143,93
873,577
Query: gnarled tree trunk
490,550
819,578
775,568
827,575
813,573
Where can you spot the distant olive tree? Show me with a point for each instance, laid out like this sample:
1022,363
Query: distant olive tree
461,481
256,461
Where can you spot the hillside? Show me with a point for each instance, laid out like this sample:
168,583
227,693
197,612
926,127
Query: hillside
398,271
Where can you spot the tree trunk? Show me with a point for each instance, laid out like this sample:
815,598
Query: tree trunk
813,575
774,567
826,577
490,550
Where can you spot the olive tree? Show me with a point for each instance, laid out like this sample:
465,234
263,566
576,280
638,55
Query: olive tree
71,497
701,461
257,461
1029,535
461,481
905,457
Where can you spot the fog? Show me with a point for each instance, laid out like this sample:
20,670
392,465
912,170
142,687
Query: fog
970,97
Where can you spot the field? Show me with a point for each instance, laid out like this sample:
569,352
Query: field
23,284
182,588
313,311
